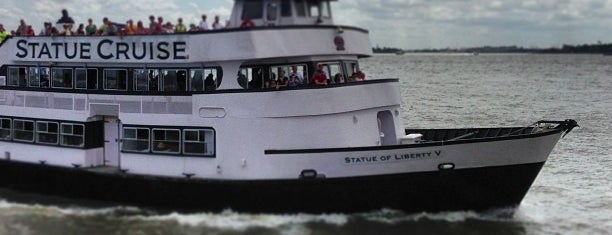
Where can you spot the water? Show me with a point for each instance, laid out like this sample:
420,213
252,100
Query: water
572,194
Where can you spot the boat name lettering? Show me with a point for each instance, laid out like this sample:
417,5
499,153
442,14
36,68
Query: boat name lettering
393,157
105,49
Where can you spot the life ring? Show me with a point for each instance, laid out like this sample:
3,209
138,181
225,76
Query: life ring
247,23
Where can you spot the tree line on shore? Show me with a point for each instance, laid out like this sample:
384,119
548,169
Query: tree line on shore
599,48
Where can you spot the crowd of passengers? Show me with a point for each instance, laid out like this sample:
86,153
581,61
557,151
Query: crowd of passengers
296,79
108,27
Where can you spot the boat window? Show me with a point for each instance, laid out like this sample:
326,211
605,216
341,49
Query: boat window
135,139
16,77
300,8
115,79
272,12
23,130
313,8
61,78
174,79
286,8
73,135
250,77
351,68
325,9
44,75
252,10
5,129
299,70
203,79
141,80
33,77
198,142
331,69
166,141
46,132
86,79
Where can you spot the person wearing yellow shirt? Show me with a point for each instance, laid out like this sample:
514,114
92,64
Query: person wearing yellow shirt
130,28
3,33
180,27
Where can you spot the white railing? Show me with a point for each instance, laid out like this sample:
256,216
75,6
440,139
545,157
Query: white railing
80,102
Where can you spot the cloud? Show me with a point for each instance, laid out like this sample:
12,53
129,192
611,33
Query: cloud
410,24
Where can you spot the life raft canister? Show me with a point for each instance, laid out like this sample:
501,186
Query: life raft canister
247,23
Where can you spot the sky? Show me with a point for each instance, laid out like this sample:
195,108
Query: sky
407,24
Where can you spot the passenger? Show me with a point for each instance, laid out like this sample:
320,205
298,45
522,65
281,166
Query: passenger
209,83
361,76
140,30
217,25
130,28
193,28
320,78
293,82
108,28
29,31
81,30
299,77
21,30
353,78
152,24
67,30
3,33
168,28
338,78
159,27
203,23
91,28
197,82
66,19
180,27
282,80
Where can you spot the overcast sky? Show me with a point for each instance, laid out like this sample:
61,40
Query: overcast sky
408,24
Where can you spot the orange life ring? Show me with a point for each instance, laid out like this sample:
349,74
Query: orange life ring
247,23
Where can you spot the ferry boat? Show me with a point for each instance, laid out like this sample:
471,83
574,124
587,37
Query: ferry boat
185,122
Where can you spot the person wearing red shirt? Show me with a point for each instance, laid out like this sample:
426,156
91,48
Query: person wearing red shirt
320,78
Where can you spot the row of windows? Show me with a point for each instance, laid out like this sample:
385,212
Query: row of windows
42,132
192,142
114,79
303,8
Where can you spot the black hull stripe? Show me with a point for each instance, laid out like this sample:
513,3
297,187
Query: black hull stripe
465,189
410,146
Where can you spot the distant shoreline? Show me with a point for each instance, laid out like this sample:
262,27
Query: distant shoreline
605,49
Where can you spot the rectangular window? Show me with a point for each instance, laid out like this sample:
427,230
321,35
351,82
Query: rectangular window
203,79
73,135
16,77
23,130
61,78
286,8
252,10
141,80
174,79
135,140
86,79
325,9
300,8
313,8
44,75
33,77
166,141
46,132
272,12
115,79
199,142
5,129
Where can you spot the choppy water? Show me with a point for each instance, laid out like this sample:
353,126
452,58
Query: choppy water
572,194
